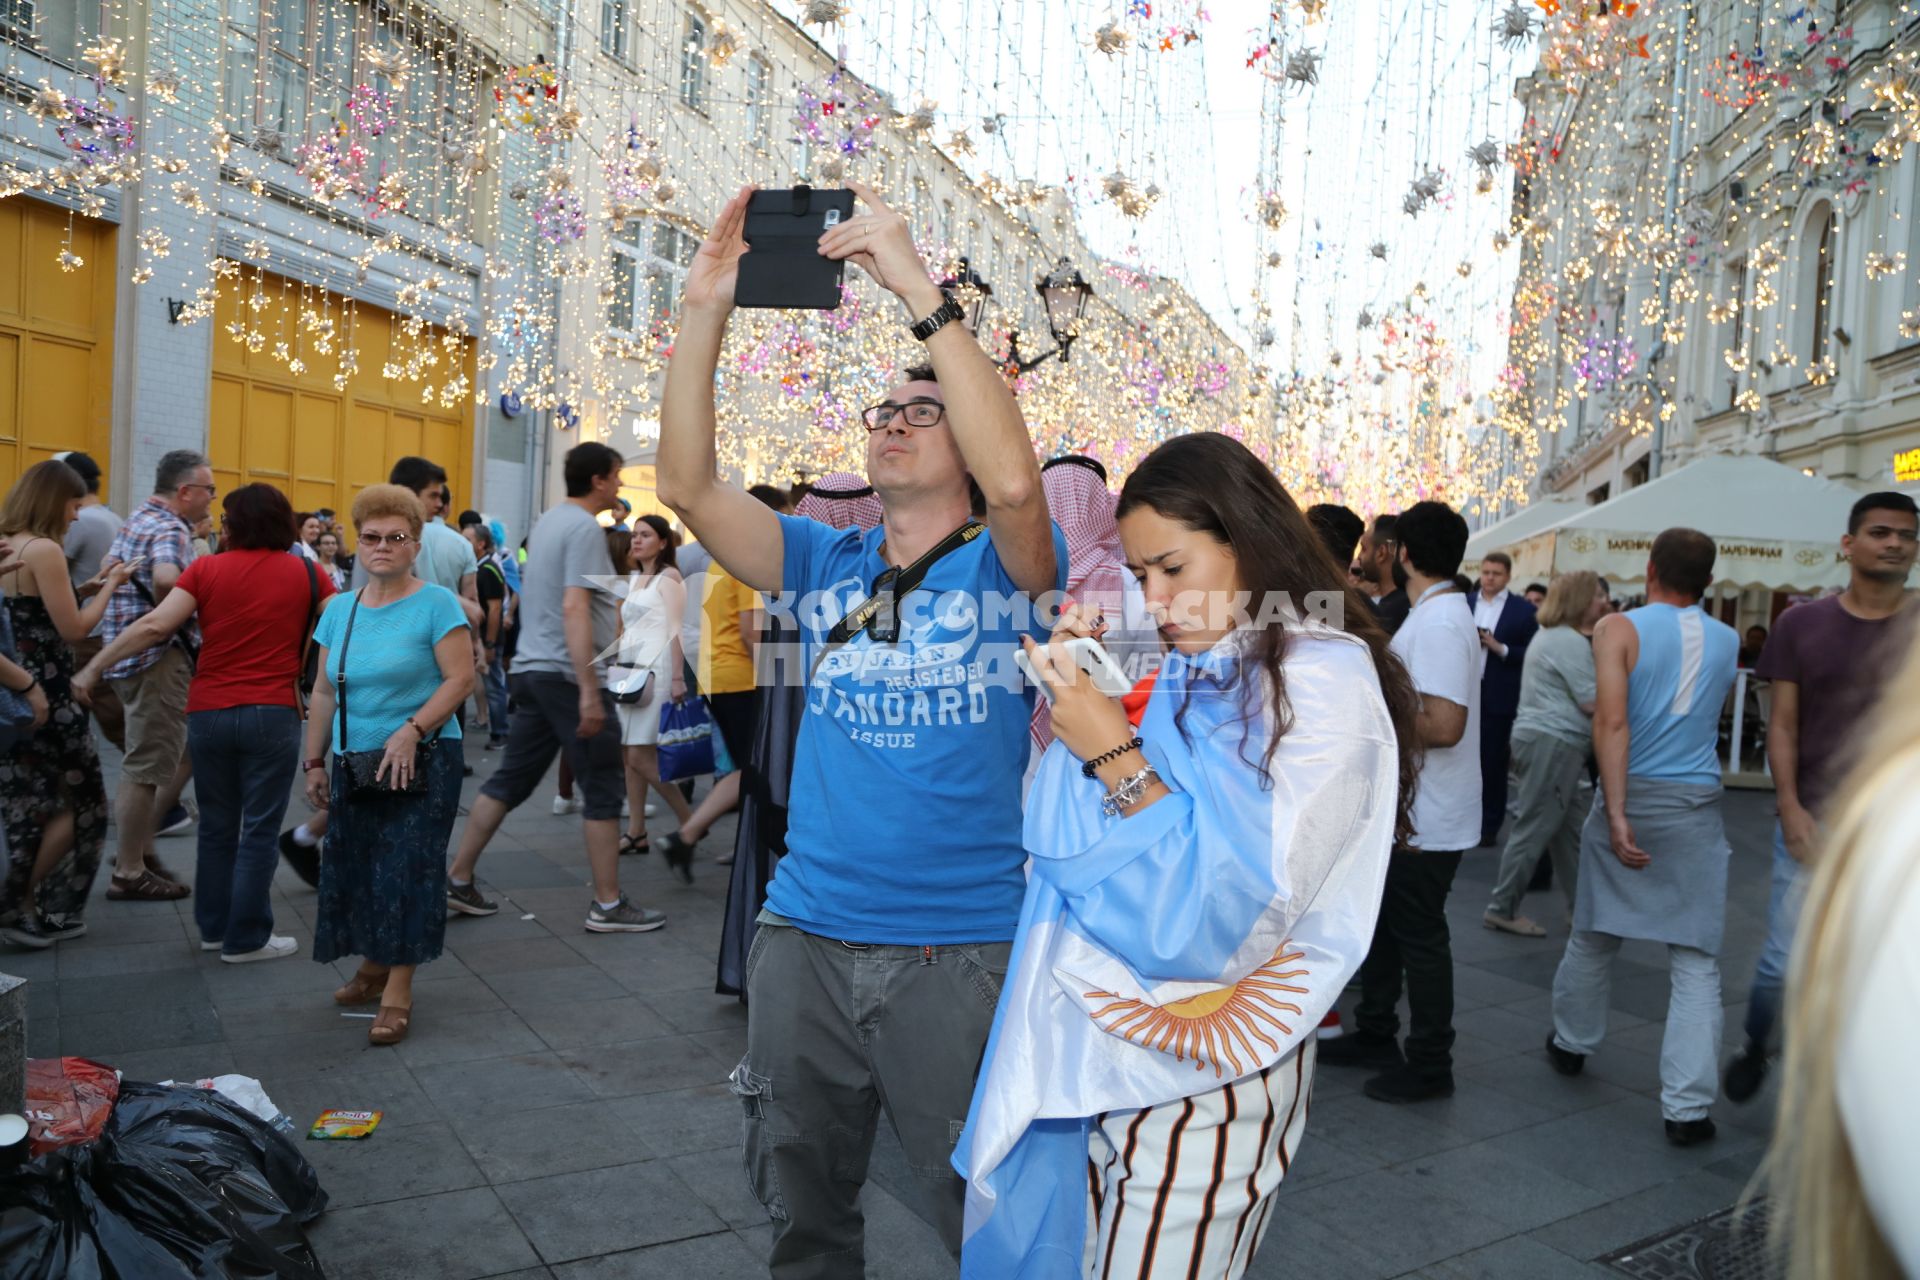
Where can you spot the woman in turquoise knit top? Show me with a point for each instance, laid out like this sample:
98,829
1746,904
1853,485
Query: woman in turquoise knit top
407,658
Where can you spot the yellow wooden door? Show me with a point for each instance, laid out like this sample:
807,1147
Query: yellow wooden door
56,337
318,440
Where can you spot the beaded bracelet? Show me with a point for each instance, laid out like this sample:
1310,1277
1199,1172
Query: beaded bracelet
1087,769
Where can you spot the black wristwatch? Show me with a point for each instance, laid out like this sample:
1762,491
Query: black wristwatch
945,314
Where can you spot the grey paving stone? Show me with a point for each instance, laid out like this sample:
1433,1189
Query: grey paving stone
719,1178
342,1053
900,1245
1488,987
1321,1159
1528,1078
698,1010
717,1257
1520,1193
580,1023
1513,1031
646,1066
511,1146
1388,1133
103,1034
648,963
392,1164
1297,1247
393,1091
579,1215
85,958
463,1037
704,1118
526,1081
130,991
514,955
1602,1154
1638,1215
1518,1258
1423,1226
728,1045
535,988
183,1062
513,869
457,1235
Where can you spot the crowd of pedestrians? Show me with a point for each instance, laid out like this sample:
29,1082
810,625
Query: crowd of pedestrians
1121,912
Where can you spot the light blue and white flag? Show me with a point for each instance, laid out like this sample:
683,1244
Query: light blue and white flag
1170,953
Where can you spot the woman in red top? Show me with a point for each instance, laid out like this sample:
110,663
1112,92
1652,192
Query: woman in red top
257,607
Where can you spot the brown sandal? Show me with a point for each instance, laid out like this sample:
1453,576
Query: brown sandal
362,988
145,887
391,1026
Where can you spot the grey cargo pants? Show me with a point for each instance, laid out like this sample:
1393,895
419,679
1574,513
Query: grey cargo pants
836,1034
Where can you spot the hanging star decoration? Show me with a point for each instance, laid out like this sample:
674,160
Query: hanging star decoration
723,42
920,121
822,13
1128,198
960,143
1378,249
991,124
1515,26
1485,154
1270,210
1112,39
1312,11
1303,67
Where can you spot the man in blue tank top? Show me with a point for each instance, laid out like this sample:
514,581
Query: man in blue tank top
873,978
1653,854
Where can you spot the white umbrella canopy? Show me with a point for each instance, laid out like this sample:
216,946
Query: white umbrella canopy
1775,527
1505,535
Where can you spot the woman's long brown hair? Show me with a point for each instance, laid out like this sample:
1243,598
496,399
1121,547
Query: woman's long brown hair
1214,485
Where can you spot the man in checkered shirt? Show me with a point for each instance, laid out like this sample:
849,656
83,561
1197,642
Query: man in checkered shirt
152,684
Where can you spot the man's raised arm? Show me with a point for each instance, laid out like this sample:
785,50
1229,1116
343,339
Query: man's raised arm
740,531
981,409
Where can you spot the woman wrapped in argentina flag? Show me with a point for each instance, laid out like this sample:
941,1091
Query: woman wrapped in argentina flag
1199,893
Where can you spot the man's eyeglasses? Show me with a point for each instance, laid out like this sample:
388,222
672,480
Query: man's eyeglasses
395,540
211,491
921,411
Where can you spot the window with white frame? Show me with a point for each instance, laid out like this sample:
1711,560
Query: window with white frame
59,29
693,63
613,28
759,101
1820,304
802,157
649,269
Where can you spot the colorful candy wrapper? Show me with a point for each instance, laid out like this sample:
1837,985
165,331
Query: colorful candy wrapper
333,1126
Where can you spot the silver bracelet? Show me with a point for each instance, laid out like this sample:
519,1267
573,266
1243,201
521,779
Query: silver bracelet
1128,793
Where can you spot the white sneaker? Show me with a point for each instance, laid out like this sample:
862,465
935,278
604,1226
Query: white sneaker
210,946
563,806
651,810
278,948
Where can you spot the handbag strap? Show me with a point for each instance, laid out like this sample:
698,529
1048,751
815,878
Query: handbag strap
313,608
901,583
340,671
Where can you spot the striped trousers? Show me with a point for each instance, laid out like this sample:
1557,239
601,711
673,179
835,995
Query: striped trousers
1183,1190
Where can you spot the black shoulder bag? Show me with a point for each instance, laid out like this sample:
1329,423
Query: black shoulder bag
363,767
879,613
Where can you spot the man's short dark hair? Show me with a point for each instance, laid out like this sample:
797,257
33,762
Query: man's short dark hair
919,373
176,465
1886,500
1541,587
1500,558
1434,536
771,496
83,463
1683,561
470,518
586,463
417,474
1338,527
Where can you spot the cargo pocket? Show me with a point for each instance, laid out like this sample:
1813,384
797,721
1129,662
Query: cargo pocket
755,1092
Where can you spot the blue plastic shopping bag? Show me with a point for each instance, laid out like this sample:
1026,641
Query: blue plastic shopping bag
686,740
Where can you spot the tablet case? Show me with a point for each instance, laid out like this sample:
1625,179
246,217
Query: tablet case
782,267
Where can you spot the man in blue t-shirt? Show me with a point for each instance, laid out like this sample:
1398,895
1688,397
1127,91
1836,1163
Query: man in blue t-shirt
893,913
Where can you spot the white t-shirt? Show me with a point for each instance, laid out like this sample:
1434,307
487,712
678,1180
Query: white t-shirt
1441,651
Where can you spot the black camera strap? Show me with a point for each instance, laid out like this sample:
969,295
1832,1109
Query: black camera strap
881,610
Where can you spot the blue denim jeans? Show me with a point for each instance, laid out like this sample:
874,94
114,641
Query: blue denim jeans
1783,917
496,679
243,764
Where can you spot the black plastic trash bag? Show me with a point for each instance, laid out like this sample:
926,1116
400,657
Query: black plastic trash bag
182,1183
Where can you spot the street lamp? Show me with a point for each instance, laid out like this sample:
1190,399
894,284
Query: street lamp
972,292
1064,293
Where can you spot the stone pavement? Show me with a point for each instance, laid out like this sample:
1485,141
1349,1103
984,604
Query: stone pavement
560,1108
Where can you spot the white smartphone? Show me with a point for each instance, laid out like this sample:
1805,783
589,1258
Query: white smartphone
1094,662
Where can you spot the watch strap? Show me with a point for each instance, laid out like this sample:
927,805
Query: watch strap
946,313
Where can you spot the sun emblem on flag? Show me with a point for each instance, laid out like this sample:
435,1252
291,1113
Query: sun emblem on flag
1215,1025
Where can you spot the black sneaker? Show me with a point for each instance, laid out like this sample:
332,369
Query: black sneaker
466,899
1361,1049
1404,1084
496,742
623,917
304,859
25,931
678,851
1690,1133
67,927
1746,1073
1565,1061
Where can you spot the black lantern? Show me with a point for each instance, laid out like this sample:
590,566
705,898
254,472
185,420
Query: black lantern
1064,292
972,292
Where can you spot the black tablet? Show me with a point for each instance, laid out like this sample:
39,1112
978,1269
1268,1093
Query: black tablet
783,267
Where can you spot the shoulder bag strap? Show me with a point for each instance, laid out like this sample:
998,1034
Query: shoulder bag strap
904,583
306,637
340,670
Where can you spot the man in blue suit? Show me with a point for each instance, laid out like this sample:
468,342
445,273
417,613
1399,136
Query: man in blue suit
1506,624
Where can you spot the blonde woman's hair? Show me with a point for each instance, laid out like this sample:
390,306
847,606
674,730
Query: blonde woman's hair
378,501
37,503
1568,598
1821,1223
